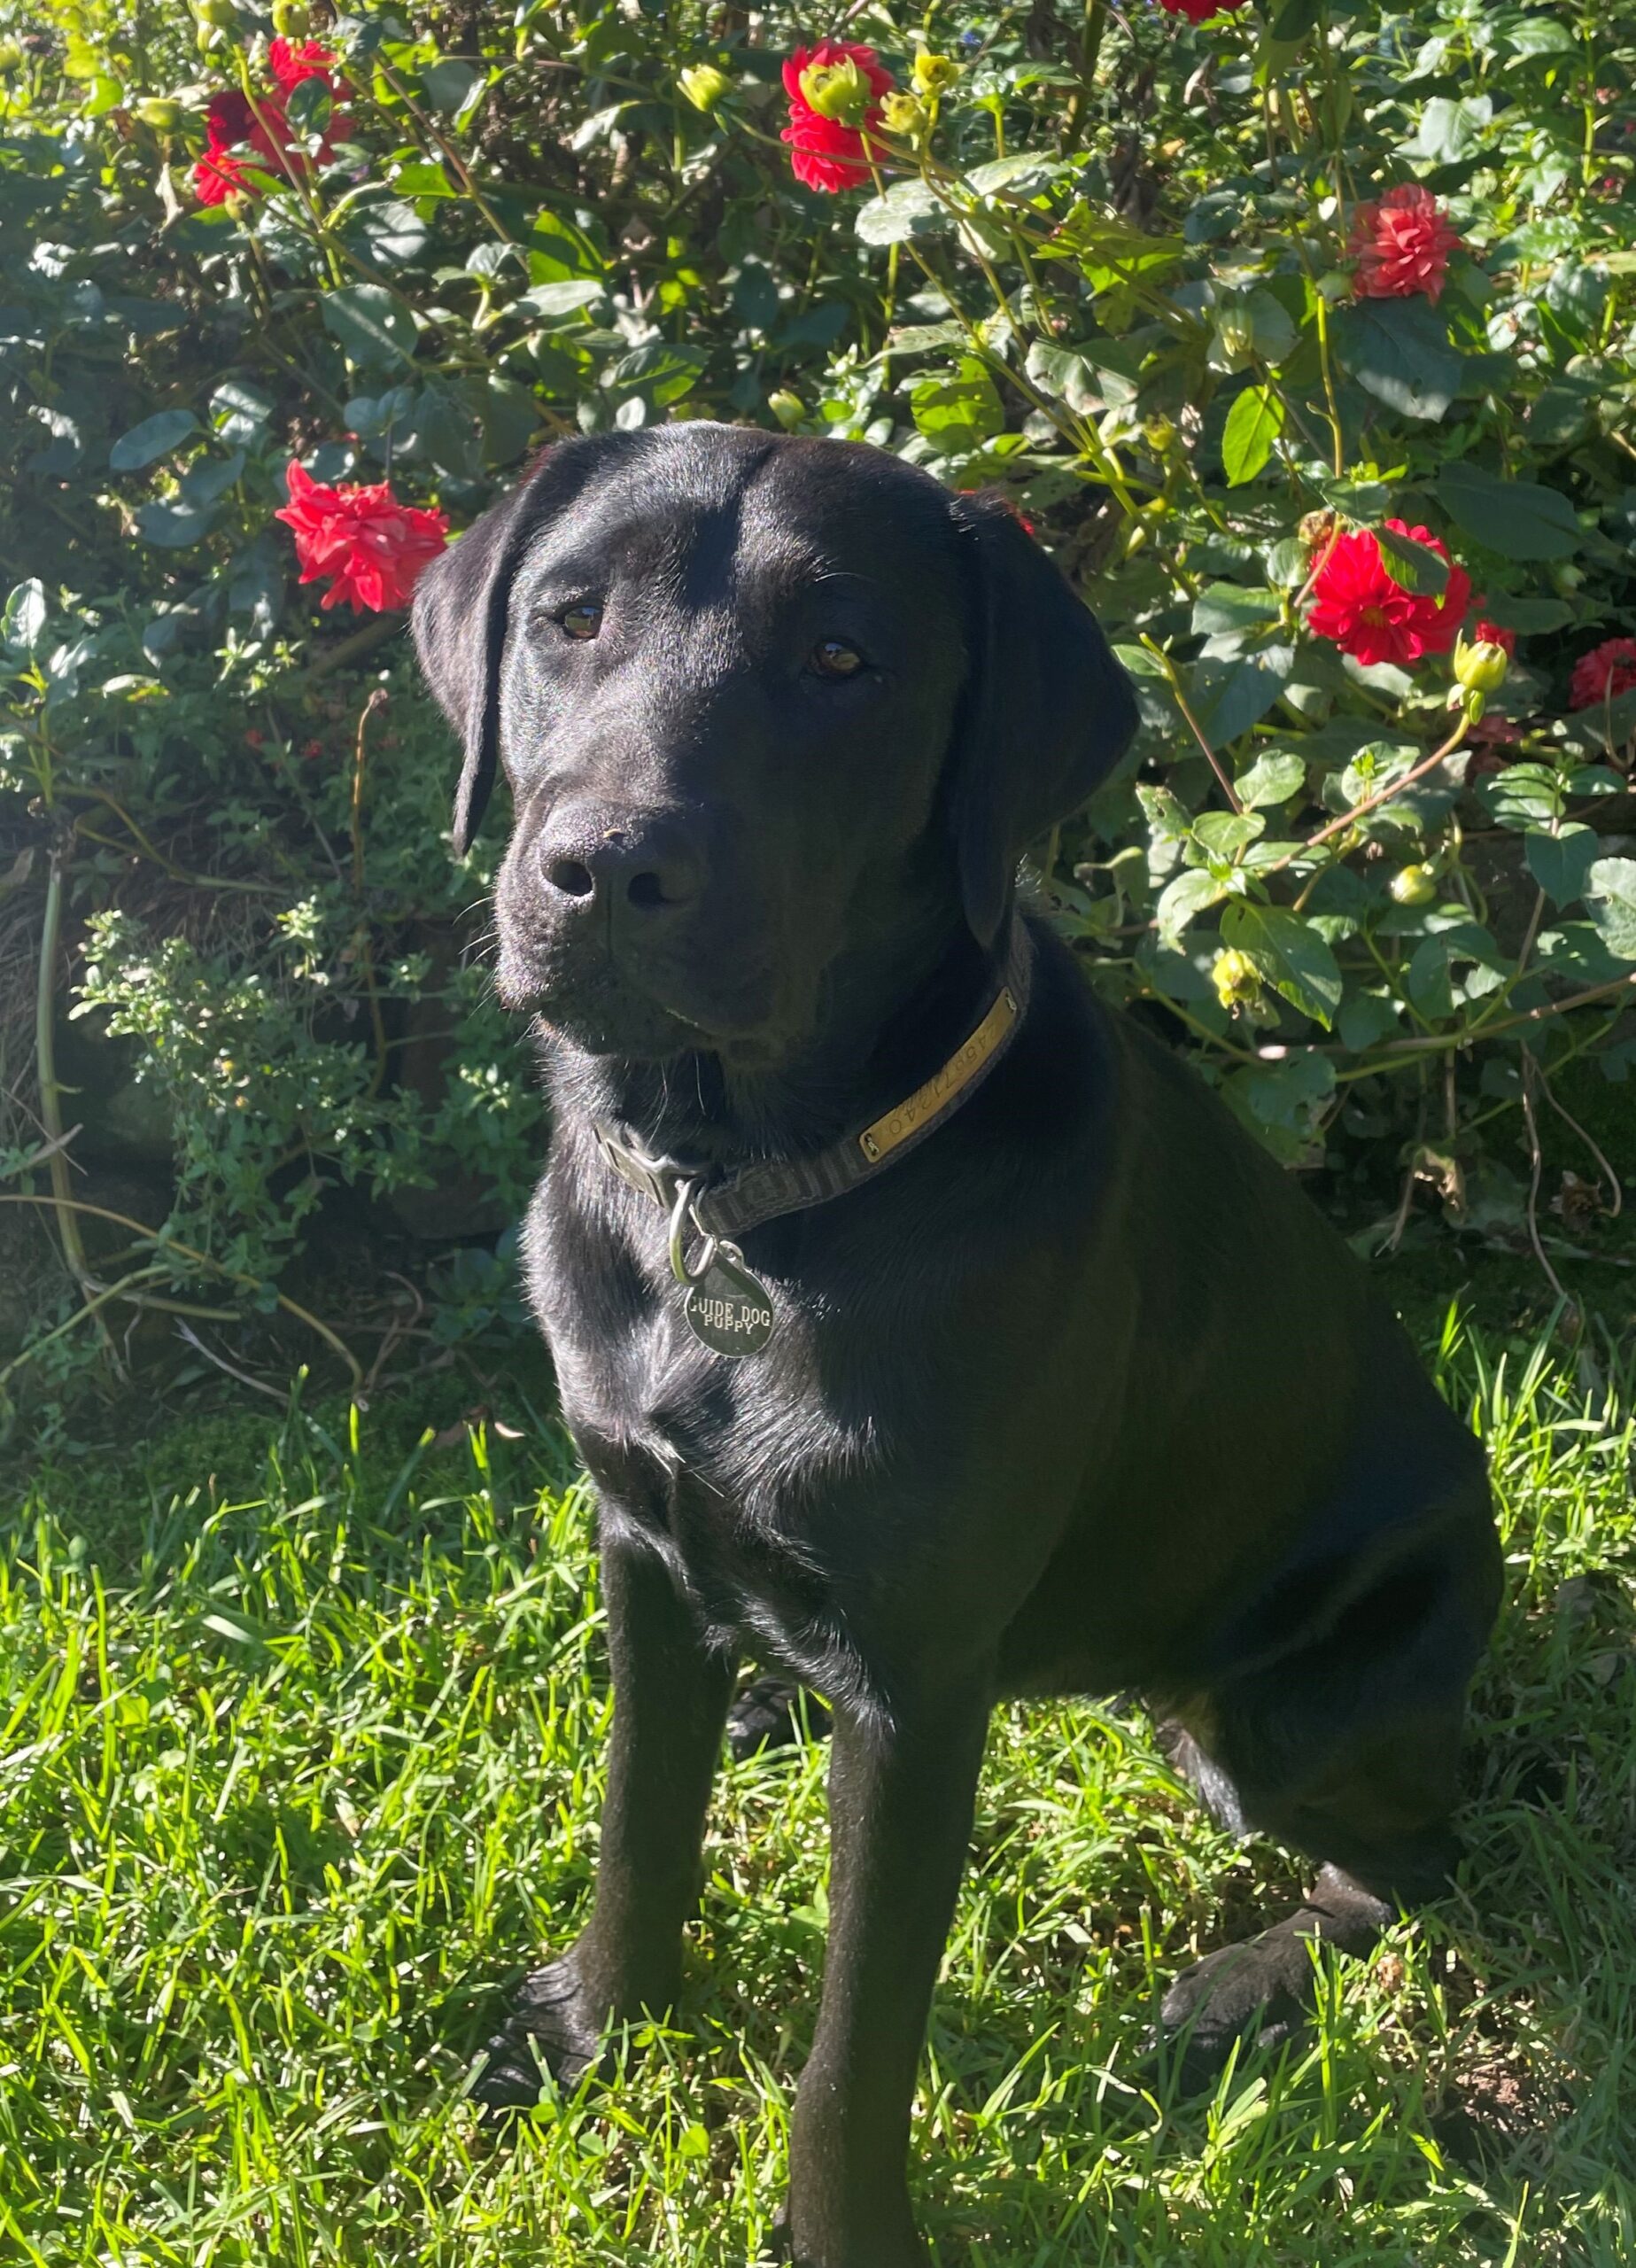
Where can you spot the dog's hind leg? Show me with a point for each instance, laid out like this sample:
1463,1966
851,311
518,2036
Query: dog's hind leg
1348,1751
670,1695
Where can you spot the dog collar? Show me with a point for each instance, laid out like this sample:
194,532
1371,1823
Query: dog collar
726,1307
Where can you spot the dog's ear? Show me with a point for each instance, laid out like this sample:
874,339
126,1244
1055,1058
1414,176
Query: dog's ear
1046,714
461,608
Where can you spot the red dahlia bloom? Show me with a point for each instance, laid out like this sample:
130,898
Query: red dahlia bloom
824,153
1401,243
290,62
1603,674
261,132
374,547
1490,633
1199,12
1356,602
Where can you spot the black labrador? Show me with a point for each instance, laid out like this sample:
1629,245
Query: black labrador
929,1331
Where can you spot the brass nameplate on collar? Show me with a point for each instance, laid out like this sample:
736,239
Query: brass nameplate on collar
894,1128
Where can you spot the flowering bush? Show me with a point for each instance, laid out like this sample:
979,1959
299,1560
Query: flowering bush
1305,338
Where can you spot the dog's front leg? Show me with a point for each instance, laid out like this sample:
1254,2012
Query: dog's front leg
671,1696
901,1800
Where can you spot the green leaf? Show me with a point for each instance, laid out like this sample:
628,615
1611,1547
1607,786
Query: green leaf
174,527
1227,697
372,325
1561,863
1365,1020
1254,423
450,85
1223,835
959,413
1295,19
23,624
1183,899
662,373
1227,607
566,297
1272,778
1066,376
1398,351
1611,900
908,212
155,438
1450,130
1290,955
1520,520
1413,566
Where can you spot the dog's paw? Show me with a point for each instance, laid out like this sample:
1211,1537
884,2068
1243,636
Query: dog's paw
548,2034
1260,1991
767,1715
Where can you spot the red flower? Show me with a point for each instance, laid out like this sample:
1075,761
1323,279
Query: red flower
824,152
1356,602
290,64
1490,633
1197,11
373,546
217,176
1603,674
1402,245
232,123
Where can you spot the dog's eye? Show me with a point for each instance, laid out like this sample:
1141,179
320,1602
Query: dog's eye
833,657
583,619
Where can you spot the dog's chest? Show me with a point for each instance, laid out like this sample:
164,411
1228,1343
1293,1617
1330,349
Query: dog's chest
744,1473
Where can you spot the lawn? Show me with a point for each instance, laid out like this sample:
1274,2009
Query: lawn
301,1756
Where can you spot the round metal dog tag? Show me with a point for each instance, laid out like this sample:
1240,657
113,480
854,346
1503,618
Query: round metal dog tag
727,1310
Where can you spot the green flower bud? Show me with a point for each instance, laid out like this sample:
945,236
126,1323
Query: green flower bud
705,87
223,13
935,74
838,90
161,117
1236,979
292,18
1414,885
208,38
787,407
1235,336
906,116
1480,666
12,58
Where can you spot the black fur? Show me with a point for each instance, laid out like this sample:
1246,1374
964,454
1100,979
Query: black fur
1082,1394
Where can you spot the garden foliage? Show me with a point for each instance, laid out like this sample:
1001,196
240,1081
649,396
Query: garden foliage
1303,334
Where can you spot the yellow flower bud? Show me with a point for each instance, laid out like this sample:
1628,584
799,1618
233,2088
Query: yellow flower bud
12,58
220,12
1480,666
161,117
935,74
838,90
787,407
1415,885
292,18
705,87
1236,979
906,116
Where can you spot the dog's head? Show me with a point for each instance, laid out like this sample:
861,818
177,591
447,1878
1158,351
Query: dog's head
765,705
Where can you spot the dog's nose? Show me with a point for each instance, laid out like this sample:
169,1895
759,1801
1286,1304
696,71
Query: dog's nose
630,860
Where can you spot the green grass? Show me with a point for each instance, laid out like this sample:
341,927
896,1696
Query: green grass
300,1761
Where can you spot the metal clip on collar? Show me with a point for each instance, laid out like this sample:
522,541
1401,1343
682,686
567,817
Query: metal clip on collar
681,1213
